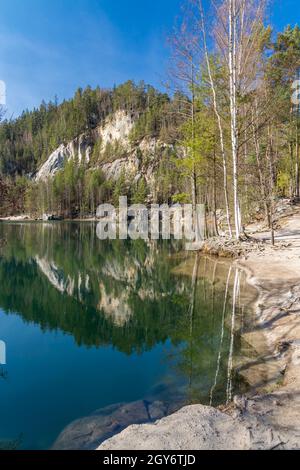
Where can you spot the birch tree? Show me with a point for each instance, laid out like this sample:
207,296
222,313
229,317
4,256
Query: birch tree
232,51
218,116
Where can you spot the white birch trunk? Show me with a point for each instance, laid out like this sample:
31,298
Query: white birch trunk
233,111
219,120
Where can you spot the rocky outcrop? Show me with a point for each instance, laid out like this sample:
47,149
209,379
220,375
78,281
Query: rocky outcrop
141,161
79,148
135,160
197,427
116,128
88,433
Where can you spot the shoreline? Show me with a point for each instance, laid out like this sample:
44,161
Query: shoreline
269,417
24,218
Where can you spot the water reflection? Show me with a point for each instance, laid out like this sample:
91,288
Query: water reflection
132,297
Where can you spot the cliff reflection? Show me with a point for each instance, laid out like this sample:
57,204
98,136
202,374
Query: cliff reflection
128,294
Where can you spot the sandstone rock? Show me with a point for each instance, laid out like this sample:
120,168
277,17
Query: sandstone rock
195,427
88,433
79,148
137,160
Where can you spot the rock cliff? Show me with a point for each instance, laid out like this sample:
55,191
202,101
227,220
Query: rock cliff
110,148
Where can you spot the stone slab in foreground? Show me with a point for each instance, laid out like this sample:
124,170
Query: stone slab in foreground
194,427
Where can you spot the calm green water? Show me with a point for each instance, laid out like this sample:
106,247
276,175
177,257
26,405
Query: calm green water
89,323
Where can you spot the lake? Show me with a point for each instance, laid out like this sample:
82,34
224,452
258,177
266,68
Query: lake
90,323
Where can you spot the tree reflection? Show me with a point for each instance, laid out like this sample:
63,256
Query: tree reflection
128,294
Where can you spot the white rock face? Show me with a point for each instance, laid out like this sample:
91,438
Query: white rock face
141,161
52,165
80,148
195,427
128,165
116,129
137,160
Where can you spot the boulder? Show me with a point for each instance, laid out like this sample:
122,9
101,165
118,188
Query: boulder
89,432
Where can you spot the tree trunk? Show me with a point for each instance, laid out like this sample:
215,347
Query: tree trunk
215,198
219,120
233,113
262,182
297,175
194,176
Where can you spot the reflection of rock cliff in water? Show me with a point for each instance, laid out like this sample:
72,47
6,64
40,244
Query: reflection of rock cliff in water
127,272
115,308
132,295
116,281
56,276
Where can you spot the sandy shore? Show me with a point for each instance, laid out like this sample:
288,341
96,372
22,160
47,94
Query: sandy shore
28,218
270,417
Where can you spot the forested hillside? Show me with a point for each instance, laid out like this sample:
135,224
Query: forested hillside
28,141
227,135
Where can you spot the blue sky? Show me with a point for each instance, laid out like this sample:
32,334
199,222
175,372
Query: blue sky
51,47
